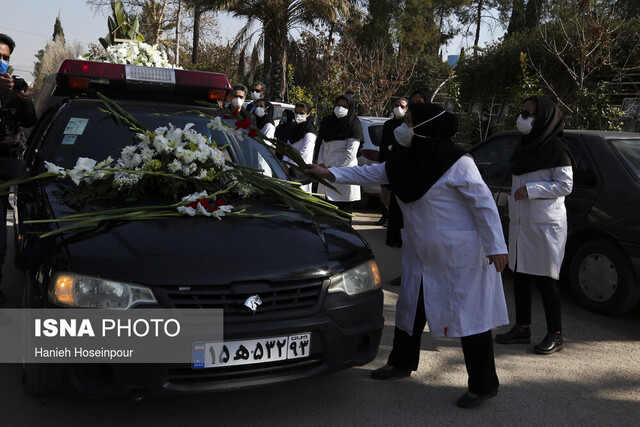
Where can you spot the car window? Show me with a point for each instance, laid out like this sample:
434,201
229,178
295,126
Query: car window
492,157
629,150
375,134
85,131
584,173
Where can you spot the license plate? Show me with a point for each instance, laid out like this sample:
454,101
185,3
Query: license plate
245,352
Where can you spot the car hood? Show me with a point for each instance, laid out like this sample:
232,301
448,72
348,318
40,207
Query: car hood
201,250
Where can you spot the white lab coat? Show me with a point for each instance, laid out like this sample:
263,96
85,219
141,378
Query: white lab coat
269,129
538,225
305,146
342,152
448,234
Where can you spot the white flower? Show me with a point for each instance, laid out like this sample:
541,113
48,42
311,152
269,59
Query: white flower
105,163
186,210
201,175
51,168
222,211
85,164
195,196
147,153
160,144
218,157
174,166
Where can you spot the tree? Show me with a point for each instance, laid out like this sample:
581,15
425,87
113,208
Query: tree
277,18
516,19
478,12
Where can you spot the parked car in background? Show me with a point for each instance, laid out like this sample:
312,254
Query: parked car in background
602,259
369,149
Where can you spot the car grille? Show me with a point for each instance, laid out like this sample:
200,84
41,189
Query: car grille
281,297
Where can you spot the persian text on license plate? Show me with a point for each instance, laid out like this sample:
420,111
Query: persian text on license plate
244,352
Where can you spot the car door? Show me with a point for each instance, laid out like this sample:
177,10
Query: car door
586,180
492,158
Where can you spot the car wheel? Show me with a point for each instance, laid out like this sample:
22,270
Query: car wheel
38,379
602,278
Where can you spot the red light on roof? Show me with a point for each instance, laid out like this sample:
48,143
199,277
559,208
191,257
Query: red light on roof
203,79
74,67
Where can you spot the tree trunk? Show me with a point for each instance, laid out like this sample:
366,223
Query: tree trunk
197,12
478,24
178,13
160,20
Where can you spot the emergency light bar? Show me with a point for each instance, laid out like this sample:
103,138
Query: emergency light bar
78,74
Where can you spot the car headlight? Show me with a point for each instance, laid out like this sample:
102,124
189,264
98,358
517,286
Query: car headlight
75,290
360,279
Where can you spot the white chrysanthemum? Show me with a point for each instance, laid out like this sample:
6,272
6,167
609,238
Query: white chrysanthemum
175,166
201,175
189,169
218,157
147,153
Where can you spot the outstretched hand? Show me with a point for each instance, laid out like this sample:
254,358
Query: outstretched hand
320,172
499,261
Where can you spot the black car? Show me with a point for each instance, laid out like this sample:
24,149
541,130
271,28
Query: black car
313,277
602,258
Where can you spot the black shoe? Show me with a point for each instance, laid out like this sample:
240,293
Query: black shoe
517,335
468,402
388,372
550,344
396,281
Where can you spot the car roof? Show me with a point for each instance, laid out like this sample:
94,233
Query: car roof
373,119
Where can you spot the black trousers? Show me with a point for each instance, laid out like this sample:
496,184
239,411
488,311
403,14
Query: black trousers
523,289
477,350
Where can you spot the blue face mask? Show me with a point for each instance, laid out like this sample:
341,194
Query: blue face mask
284,119
4,66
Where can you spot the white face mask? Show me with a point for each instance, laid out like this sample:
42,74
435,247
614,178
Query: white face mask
524,125
237,102
398,112
403,134
340,111
260,112
255,95
301,118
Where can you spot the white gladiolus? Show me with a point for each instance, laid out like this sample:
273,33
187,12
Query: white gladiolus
51,168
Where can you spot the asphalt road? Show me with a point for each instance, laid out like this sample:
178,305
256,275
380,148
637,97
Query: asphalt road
594,381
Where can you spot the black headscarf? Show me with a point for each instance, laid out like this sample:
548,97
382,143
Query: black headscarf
543,147
283,130
412,172
333,128
267,118
302,129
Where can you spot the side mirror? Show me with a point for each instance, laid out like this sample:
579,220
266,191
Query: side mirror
12,168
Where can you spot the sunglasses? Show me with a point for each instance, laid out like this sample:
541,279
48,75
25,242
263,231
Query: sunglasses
5,57
526,114
256,90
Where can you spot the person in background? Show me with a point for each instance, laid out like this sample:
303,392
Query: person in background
238,95
303,136
542,175
258,91
287,123
340,136
417,96
387,149
452,234
262,120
15,96
484,125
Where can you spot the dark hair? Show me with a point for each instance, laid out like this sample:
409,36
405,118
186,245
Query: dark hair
419,92
264,86
240,86
402,98
5,39
304,105
485,109
533,99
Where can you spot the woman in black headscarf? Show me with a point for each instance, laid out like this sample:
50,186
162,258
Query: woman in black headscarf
542,177
451,225
264,120
340,136
303,136
285,126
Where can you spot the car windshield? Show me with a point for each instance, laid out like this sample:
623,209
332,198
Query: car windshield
375,133
86,131
629,150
